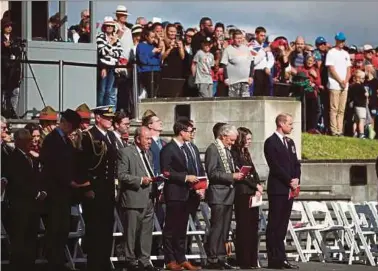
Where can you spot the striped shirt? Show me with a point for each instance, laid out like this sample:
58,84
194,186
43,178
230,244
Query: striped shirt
108,54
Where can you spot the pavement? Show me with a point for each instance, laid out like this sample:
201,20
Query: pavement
316,266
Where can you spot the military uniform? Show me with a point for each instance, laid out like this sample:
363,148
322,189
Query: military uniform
47,114
98,166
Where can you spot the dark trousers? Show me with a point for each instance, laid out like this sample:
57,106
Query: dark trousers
24,225
57,230
324,100
247,227
99,221
138,228
174,233
261,83
151,82
193,203
278,220
312,113
157,241
125,97
220,222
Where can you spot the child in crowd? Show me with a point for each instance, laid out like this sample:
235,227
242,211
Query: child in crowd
203,61
358,97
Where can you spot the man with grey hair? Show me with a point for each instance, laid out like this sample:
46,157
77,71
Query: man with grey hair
220,195
284,175
25,194
135,174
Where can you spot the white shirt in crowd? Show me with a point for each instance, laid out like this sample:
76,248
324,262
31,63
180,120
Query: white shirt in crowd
261,59
340,59
126,40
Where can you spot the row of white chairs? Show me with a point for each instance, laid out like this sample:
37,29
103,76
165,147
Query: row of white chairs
349,235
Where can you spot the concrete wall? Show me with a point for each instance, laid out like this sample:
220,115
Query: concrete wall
338,175
256,113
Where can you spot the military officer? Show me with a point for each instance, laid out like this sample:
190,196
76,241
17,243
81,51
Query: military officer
48,119
98,159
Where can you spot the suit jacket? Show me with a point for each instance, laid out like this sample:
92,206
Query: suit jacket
283,165
99,170
58,165
156,155
6,151
24,180
221,190
173,163
201,169
130,173
119,145
249,184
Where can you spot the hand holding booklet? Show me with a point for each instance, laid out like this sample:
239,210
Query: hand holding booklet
294,193
255,201
201,184
159,178
245,170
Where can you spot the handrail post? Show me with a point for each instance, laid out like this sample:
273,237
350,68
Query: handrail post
60,94
135,92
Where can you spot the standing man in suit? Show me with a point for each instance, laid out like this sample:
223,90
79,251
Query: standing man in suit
121,124
58,173
284,175
220,195
25,195
97,169
135,173
177,164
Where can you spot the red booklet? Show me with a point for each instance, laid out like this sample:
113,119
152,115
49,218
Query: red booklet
159,178
201,184
245,170
294,193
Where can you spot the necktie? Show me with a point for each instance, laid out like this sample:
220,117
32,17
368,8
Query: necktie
193,153
186,155
229,160
145,160
158,142
285,142
29,160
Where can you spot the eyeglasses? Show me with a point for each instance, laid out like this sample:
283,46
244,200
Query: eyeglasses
323,43
189,36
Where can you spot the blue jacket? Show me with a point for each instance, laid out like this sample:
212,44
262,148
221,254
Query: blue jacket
146,60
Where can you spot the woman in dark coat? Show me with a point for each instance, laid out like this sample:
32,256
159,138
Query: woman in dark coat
247,219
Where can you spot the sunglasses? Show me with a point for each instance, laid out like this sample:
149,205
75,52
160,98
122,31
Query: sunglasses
190,36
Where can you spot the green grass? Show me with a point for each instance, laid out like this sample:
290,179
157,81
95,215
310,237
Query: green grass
334,148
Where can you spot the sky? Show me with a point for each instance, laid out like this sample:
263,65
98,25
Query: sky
358,20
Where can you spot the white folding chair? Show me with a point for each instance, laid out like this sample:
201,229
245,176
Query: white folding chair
326,226
362,233
303,227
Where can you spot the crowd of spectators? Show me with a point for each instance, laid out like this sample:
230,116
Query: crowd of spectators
217,60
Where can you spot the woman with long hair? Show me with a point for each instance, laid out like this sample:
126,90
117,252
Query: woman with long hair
247,219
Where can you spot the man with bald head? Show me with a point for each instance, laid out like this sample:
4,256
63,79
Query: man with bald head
135,174
298,56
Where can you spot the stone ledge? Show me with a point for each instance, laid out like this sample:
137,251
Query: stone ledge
199,99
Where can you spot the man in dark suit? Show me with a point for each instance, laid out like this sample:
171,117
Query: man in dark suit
220,195
25,194
177,165
97,171
58,173
121,124
284,175
155,125
135,174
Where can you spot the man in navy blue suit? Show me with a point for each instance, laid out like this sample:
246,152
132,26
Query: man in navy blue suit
284,176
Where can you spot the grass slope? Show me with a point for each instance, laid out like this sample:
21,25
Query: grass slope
327,147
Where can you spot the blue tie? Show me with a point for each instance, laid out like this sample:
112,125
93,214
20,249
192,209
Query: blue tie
158,142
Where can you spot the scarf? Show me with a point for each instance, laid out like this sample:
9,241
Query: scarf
223,157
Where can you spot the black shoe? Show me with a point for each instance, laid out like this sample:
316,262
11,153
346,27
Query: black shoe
151,268
214,266
227,266
288,265
132,267
275,266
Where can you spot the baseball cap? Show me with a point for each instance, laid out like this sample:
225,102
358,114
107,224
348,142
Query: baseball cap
340,36
320,40
367,47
